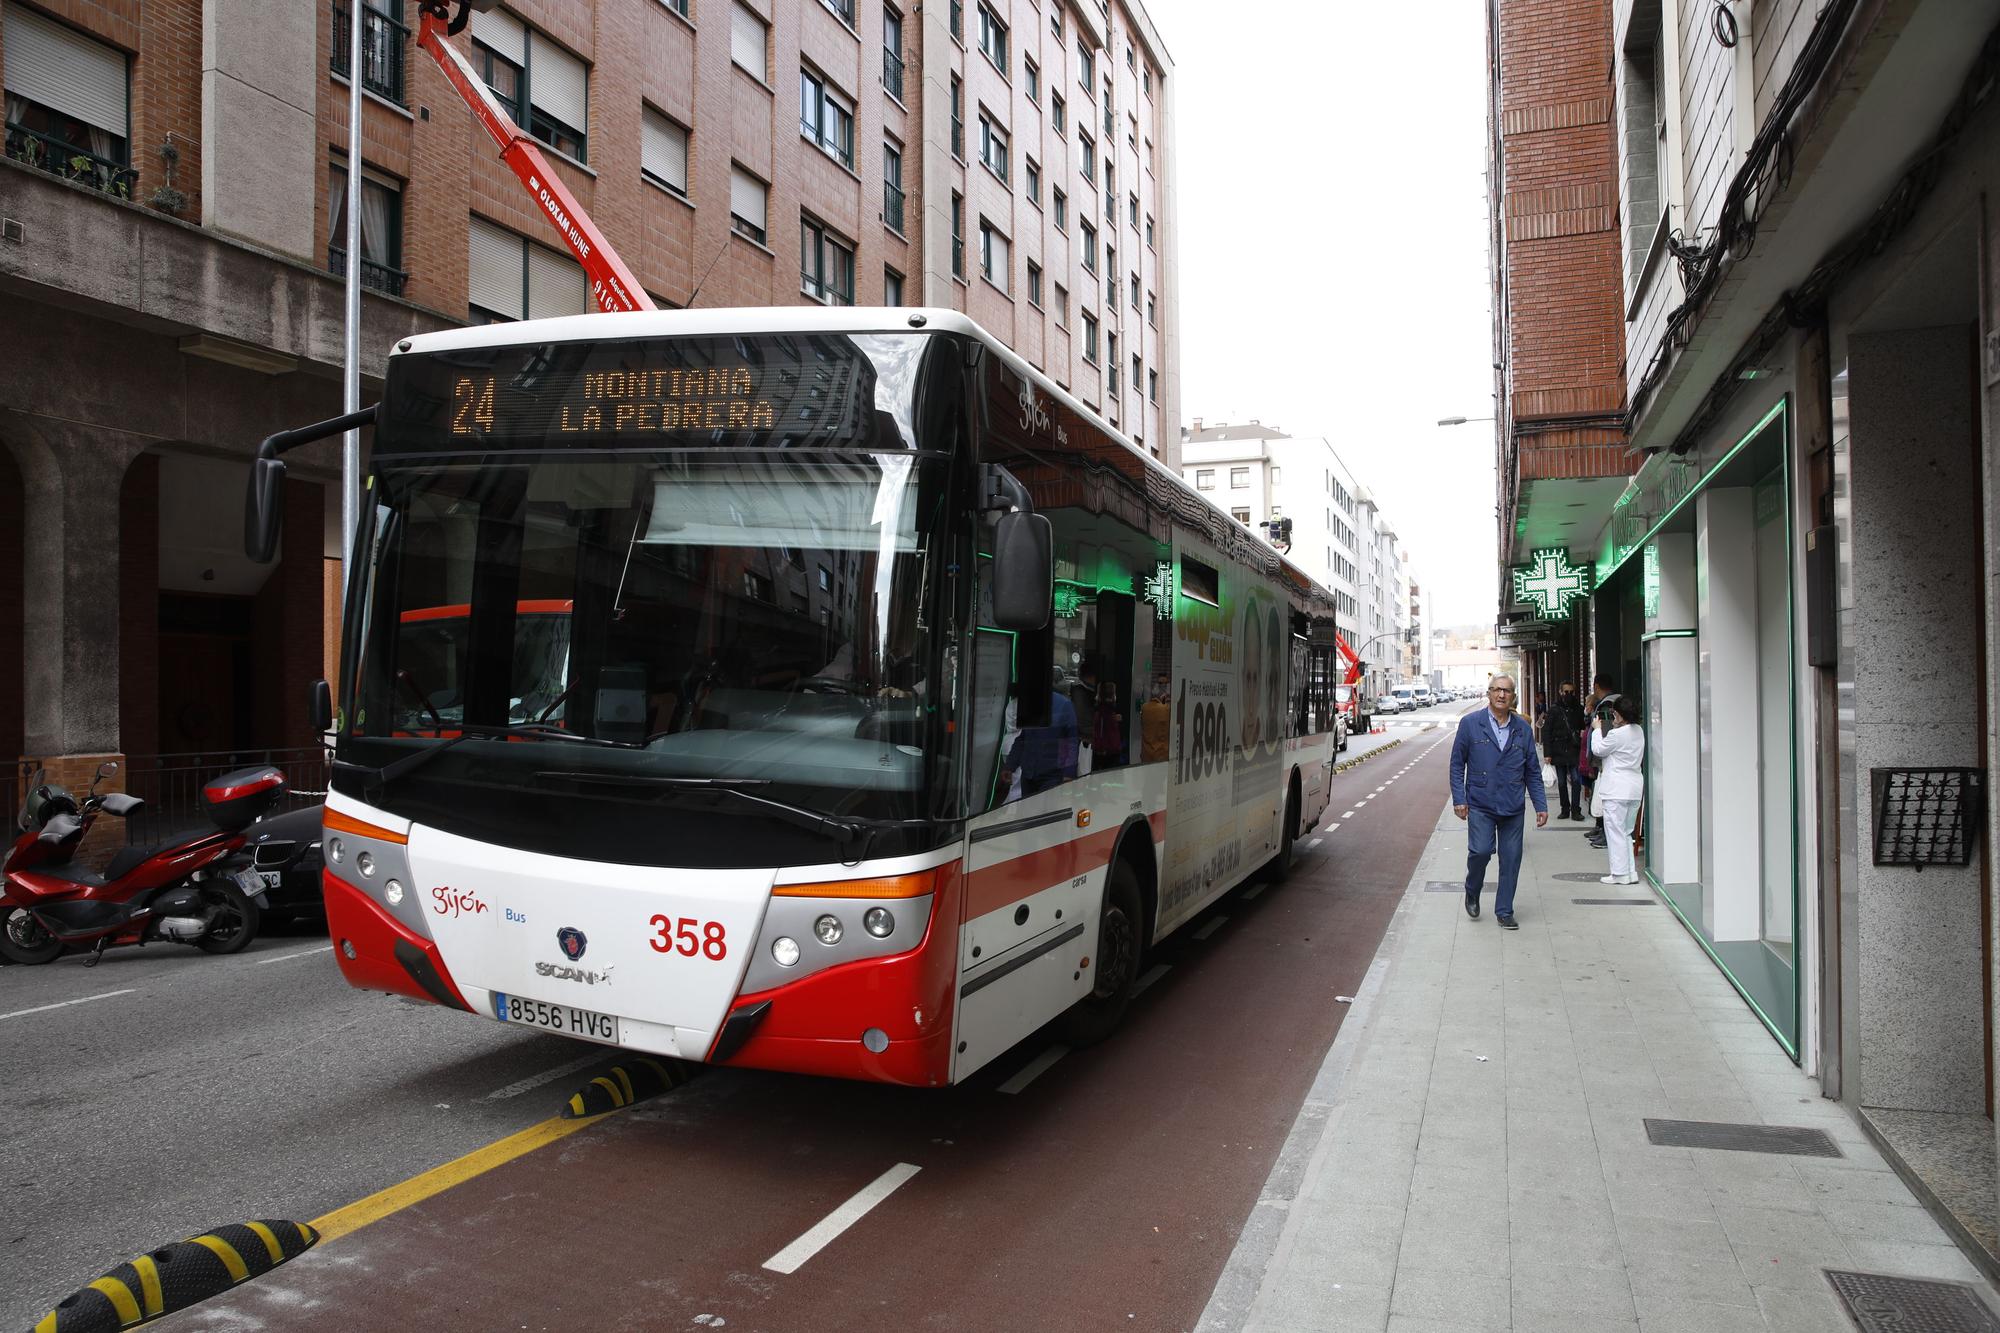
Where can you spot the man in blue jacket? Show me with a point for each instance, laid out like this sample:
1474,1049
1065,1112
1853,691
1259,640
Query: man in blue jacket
1493,764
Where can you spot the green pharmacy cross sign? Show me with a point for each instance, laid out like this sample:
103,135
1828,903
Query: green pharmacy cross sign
1550,583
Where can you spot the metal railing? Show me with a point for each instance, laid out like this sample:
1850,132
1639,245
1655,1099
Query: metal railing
892,205
892,73
383,40
170,785
61,158
374,276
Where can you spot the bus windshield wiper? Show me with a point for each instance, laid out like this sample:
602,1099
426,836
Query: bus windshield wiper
845,831
374,779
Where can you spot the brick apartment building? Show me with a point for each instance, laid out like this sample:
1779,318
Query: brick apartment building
1787,210
172,189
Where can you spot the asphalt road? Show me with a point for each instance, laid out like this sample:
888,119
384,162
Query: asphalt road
171,1093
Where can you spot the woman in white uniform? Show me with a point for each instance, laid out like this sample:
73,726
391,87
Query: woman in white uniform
1619,744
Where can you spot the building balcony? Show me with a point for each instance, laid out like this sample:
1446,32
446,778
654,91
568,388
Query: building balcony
892,73
375,277
58,157
892,206
383,41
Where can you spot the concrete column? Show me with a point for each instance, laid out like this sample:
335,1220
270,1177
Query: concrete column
1726,608
1917,661
71,479
260,78
1673,718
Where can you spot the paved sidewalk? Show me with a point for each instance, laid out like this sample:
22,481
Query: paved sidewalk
1473,1153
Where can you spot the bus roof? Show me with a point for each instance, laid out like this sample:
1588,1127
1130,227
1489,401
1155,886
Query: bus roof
724,321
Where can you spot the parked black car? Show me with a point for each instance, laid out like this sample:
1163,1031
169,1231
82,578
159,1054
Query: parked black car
284,852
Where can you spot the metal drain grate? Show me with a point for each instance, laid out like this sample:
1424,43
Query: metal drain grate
1612,902
1880,1304
1791,1140
1578,876
1444,886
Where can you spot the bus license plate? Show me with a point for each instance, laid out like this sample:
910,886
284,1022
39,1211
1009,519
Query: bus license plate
563,1018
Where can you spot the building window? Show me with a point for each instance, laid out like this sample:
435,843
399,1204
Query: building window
842,9
1110,115
892,53
1057,112
1111,278
1152,386
892,187
1034,283
892,287
958,235
957,118
956,18
1090,337
825,117
749,40
1034,79
993,147
1059,204
1149,311
1111,363
1089,234
1277,475
511,277
747,199
995,263
1087,158
1062,306
1110,193
530,73
1241,516
663,151
1149,231
1137,365
1086,66
1135,291
1239,478
1131,58
1146,80
1034,175
1204,479
826,264
1132,210
383,40
68,103
381,230
993,38
1056,20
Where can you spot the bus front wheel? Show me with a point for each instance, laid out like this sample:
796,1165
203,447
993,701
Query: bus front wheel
1119,941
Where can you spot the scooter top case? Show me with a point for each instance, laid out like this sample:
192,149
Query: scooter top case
237,799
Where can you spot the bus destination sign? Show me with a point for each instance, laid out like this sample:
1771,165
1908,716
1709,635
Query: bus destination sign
624,402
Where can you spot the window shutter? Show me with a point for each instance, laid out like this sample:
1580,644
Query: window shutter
64,70
556,285
746,41
503,32
746,196
665,150
493,270
558,85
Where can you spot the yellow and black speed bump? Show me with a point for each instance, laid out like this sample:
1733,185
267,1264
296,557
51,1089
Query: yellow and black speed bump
626,1082
176,1276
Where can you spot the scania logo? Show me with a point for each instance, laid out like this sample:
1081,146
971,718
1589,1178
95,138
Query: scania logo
578,974
572,941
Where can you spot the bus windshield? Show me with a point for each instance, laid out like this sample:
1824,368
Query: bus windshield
652,626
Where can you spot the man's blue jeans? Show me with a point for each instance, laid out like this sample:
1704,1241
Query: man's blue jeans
1485,829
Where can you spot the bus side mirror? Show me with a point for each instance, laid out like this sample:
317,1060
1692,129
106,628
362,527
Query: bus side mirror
264,509
319,706
1023,572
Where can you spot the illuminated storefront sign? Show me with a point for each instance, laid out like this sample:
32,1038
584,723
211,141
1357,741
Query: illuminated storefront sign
1550,582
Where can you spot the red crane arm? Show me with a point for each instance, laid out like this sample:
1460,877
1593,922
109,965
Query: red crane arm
1352,659
612,285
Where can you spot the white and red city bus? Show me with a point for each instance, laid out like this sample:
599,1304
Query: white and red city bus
819,800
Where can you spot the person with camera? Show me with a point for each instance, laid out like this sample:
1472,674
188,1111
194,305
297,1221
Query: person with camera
1618,744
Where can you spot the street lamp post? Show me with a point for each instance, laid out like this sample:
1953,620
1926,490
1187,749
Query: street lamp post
1460,421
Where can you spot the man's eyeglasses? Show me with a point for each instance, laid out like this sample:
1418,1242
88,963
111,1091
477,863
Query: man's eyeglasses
1499,689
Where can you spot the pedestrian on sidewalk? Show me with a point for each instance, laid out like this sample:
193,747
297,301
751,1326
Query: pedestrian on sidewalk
1562,742
1619,743
1601,688
1494,772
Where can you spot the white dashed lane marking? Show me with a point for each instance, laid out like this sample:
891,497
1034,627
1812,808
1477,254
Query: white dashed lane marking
1031,1071
793,1256
1314,843
64,1004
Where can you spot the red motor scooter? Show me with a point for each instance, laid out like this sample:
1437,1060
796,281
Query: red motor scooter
170,891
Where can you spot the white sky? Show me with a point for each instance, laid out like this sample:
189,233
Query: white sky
1333,253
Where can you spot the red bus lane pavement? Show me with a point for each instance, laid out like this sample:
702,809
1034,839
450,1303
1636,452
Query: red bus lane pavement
1085,1189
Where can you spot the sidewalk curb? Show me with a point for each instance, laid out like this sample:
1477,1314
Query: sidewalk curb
1270,1230
1380,749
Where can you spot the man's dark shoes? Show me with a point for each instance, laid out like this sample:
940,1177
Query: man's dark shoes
1472,907
1506,922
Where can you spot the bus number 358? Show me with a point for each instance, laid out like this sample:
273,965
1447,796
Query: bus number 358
678,936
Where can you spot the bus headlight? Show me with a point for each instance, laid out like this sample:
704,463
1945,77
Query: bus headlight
393,891
365,863
336,850
827,929
879,922
785,951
